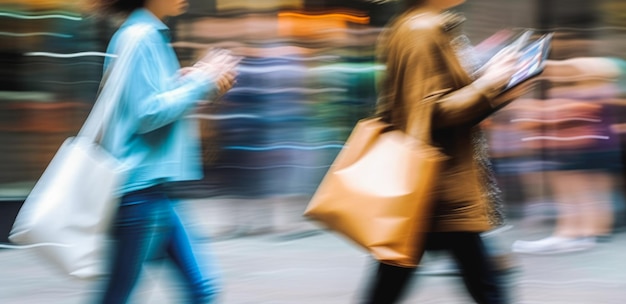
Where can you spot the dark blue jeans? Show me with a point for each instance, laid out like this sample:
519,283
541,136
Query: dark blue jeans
148,226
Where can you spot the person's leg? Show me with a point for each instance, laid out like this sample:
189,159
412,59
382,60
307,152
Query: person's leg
132,233
196,268
597,209
504,262
388,285
478,271
583,207
586,210
568,188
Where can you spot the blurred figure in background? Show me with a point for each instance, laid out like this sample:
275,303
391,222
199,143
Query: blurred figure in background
428,56
574,126
149,134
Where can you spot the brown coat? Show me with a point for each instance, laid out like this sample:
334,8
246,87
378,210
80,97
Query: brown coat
423,76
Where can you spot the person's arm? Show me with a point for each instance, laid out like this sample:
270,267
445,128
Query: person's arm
438,69
153,104
429,58
468,105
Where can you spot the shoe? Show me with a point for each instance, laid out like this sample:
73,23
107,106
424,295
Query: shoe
554,245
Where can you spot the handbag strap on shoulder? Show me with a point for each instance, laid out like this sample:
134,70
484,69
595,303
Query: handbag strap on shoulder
112,84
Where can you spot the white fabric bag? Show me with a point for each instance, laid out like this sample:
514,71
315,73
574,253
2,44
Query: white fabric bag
70,208
67,215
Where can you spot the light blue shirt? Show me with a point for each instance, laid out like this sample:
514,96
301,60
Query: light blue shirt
148,131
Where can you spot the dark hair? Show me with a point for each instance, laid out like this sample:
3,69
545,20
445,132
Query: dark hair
116,6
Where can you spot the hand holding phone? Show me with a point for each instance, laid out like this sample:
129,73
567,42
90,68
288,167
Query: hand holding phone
217,62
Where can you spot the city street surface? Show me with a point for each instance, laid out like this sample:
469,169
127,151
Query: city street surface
297,263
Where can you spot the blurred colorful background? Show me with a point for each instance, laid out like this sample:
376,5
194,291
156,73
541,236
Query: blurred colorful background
308,75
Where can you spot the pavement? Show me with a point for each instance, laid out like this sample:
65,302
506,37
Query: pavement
266,253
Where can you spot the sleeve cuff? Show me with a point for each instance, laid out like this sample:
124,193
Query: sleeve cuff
199,82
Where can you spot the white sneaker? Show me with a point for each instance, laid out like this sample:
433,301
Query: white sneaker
554,245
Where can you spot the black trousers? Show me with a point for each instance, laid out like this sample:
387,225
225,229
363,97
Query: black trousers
470,253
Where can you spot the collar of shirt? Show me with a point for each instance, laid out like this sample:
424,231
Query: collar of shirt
144,16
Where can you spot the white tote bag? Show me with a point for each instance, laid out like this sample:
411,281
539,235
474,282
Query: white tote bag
68,212
67,215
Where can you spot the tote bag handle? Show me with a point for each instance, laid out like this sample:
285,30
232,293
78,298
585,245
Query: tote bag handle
112,84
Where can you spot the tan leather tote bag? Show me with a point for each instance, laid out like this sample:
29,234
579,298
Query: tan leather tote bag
378,191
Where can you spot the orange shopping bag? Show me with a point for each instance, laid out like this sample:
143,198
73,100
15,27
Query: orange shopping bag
378,192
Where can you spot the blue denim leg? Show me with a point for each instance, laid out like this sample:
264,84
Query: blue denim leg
195,266
135,227
147,225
